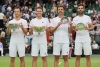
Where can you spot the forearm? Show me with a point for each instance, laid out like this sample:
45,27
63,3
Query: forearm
91,28
54,29
70,29
8,31
47,30
24,31
30,31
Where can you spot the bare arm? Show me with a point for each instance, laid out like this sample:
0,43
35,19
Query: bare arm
70,27
31,31
25,30
53,29
8,31
91,27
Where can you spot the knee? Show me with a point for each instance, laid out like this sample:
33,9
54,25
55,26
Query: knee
12,59
44,58
88,57
22,59
65,58
56,58
78,57
34,58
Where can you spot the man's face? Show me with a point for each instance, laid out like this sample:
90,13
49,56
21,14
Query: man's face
39,12
80,10
17,12
60,10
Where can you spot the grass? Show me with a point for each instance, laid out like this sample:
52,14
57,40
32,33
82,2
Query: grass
4,62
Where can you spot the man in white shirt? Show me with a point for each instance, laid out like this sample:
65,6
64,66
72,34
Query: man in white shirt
1,48
95,45
39,41
17,42
61,37
83,39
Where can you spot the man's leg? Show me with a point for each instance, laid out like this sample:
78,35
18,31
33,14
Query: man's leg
66,64
88,61
21,54
77,60
78,53
12,60
56,60
87,52
22,62
45,63
34,61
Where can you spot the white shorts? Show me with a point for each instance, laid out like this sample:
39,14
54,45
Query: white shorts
39,46
86,46
63,47
13,48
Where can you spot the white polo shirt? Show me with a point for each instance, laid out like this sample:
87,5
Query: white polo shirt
17,36
39,22
61,35
82,36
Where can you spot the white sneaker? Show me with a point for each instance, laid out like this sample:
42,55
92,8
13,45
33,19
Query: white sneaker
2,55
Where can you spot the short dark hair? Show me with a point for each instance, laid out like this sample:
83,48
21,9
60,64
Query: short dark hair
81,5
17,7
60,6
39,8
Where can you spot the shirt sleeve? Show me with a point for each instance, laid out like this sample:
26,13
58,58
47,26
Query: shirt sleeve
89,20
52,23
31,23
73,23
25,24
48,23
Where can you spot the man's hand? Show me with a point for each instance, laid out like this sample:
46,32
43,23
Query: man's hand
75,28
21,25
70,23
86,28
7,25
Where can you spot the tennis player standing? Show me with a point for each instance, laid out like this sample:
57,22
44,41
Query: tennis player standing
83,39
61,37
17,42
39,42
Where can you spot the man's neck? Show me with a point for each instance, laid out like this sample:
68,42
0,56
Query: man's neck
81,15
60,16
40,17
17,18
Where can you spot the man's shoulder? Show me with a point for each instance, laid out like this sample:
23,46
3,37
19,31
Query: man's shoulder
23,20
76,17
11,21
86,16
55,18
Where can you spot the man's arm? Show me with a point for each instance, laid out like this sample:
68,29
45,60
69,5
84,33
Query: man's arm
70,27
53,29
8,31
91,27
31,31
24,29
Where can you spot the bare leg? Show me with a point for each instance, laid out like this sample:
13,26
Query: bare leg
44,59
66,64
88,61
56,59
34,61
12,60
78,61
22,62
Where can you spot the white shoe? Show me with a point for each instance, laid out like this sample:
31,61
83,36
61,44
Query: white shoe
2,55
